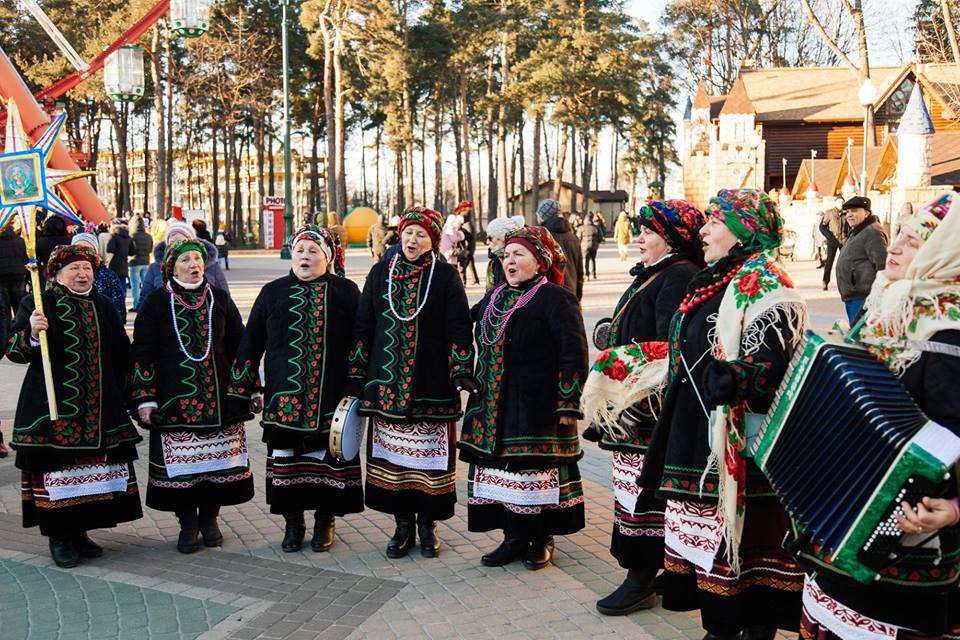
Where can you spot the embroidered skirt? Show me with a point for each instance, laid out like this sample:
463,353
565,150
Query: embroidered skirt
528,504
697,576
313,482
92,494
189,469
411,468
637,540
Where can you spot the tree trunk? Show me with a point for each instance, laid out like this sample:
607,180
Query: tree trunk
363,168
329,112
423,158
146,164
573,169
170,150
409,179
314,173
492,178
161,159
519,191
561,158
341,182
113,160
271,165
458,148
951,31
377,166
437,146
535,178
401,188
94,142
228,168
465,137
237,221
614,168
260,140
546,152
479,201
215,204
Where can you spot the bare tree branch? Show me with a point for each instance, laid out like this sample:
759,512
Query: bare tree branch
829,41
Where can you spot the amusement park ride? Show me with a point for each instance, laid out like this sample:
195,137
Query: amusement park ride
122,63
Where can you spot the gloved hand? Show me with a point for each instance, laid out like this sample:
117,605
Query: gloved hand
465,383
592,434
719,384
256,403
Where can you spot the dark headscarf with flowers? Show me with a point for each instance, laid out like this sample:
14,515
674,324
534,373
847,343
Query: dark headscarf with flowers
549,255
64,254
751,216
431,221
678,222
328,242
176,250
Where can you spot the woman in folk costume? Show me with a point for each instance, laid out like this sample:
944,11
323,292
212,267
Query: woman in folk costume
730,344
184,345
622,391
520,428
302,325
412,353
916,299
77,470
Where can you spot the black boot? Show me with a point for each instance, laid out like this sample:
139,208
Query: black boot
634,594
540,554
509,550
62,552
721,636
429,544
86,547
294,532
759,632
189,529
403,538
323,529
209,527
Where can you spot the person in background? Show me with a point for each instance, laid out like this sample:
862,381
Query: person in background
105,281
548,215
177,231
140,263
333,223
394,237
119,250
497,229
591,235
468,246
53,233
103,239
863,255
621,233
200,227
377,236
223,242
834,233
450,237
13,261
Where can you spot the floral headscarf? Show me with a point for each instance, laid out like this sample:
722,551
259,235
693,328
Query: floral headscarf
751,215
545,249
176,250
430,220
64,254
676,221
927,299
328,242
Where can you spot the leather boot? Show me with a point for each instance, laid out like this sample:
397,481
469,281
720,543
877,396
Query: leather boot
429,543
634,594
540,554
759,632
403,538
86,547
721,636
294,532
324,526
189,529
62,552
509,550
209,527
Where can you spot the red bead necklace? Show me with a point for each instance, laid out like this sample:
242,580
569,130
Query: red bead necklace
702,294
426,263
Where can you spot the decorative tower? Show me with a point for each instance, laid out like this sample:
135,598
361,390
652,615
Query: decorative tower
914,137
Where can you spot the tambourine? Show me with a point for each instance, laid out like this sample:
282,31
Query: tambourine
601,333
346,430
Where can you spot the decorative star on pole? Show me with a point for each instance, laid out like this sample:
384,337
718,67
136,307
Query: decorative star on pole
25,179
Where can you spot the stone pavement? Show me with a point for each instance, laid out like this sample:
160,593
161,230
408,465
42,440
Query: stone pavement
142,588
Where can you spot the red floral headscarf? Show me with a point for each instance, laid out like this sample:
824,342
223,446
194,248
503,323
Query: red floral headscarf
545,249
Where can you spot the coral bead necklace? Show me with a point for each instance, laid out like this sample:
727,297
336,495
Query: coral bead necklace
701,294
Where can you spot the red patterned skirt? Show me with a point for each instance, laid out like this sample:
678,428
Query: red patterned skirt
637,538
767,591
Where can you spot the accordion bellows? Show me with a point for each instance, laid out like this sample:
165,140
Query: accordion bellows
843,445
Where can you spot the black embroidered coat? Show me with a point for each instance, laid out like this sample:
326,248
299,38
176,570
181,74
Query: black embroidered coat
302,331
915,593
190,394
527,379
90,357
408,366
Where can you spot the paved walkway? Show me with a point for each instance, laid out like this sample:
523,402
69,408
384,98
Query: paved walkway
142,588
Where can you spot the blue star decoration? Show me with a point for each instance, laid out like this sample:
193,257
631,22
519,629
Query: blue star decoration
25,179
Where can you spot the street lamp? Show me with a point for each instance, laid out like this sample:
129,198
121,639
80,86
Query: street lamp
287,191
867,94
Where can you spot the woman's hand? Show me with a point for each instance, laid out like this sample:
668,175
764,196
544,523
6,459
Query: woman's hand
38,323
145,413
932,514
256,403
568,421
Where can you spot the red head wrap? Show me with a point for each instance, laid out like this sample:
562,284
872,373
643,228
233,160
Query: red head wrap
545,249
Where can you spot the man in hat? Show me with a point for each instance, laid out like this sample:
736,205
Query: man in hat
863,255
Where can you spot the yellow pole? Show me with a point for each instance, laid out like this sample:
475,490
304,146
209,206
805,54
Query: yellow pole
33,267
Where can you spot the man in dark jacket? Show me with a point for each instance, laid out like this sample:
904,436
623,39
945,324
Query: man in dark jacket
548,215
591,235
143,245
120,248
862,256
834,233
13,259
